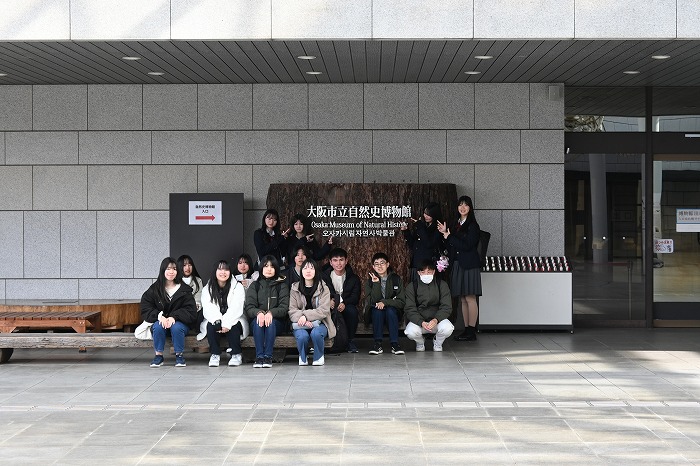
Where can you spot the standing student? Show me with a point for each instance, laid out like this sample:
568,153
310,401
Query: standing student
423,239
299,255
428,308
222,301
303,235
384,296
269,240
245,274
310,313
267,307
345,292
462,239
170,305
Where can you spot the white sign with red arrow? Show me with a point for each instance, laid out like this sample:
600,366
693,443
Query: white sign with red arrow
205,212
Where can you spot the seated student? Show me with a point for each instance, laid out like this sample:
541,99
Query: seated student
191,277
267,305
222,301
428,308
310,312
345,292
299,254
245,274
169,304
384,297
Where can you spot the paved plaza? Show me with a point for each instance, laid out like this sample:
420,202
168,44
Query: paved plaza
618,396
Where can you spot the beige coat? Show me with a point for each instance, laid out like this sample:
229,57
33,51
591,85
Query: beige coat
321,310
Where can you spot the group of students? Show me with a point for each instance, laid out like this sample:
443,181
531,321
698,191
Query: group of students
265,302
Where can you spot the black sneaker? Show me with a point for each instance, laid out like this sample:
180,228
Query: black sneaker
157,361
267,362
396,348
258,363
377,348
352,347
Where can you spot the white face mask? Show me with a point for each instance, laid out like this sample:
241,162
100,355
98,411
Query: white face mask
427,279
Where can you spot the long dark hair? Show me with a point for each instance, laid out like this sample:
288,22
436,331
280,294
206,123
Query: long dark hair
215,291
317,275
161,280
433,210
470,216
271,213
272,260
248,260
181,261
304,221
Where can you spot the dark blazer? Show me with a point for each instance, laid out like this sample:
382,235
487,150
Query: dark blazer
462,243
425,242
266,244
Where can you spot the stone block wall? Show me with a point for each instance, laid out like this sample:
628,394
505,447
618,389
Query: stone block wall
85,170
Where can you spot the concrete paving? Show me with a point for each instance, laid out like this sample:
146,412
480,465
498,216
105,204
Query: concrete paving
619,396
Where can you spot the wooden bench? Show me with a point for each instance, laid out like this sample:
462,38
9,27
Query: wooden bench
77,320
10,341
114,314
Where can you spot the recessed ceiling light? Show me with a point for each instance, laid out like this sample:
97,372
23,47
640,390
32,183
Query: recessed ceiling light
3,74
306,57
313,72
156,73
483,57
131,58
472,72
660,57
631,72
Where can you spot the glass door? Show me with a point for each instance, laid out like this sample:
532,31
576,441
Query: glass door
676,232
604,237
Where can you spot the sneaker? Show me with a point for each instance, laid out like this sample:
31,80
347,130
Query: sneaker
236,360
258,363
157,361
352,347
319,362
214,360
302,362
180,360
396,348
437,346
310,350
420,347
377,348
267,362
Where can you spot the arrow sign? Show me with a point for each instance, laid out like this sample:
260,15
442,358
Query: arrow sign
204,217
205,212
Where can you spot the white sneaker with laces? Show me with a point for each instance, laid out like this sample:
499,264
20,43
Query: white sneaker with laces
236,360
214,360
319,362
420,346
437,347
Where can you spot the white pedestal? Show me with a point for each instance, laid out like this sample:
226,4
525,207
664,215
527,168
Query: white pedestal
526,300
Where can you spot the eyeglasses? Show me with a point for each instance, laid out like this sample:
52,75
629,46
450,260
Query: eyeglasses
380,263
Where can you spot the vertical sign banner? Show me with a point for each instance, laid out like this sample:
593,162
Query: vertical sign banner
205,212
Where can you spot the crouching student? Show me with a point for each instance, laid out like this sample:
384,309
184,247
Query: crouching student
267,305
222,304
310,313
428,308
384,303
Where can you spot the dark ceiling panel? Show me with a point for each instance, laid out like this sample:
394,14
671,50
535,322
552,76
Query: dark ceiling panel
573,62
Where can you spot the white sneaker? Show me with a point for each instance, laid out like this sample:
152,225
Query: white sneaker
319,362
420,347
302,363
214,360
437,347
236,360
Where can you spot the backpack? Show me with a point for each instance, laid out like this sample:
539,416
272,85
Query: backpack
483,246
340,342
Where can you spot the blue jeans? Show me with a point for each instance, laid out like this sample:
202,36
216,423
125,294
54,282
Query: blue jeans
264,337
177,332
317,335
390,316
